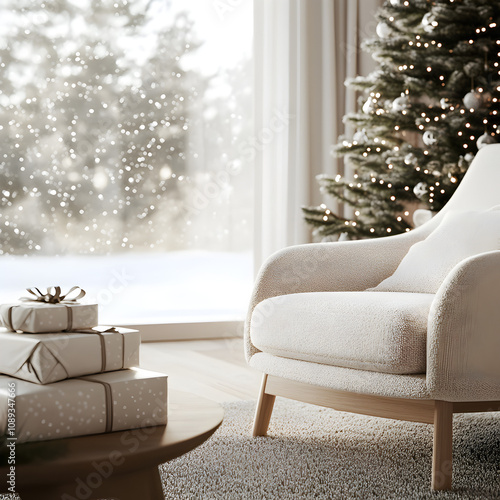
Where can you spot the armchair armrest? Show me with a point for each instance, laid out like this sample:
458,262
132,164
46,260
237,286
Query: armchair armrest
328,267
463,344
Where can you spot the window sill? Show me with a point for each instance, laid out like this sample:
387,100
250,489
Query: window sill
189,331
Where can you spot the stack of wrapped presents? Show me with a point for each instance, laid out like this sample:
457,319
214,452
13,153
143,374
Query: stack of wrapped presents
66,376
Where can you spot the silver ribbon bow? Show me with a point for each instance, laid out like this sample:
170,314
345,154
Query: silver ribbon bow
53,295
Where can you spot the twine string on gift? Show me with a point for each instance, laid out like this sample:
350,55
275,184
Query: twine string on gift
123,351
96,331
108,396
53,295
70,318
103,351
9,319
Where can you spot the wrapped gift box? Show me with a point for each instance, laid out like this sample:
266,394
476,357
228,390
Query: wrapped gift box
45,358
114,401
39,317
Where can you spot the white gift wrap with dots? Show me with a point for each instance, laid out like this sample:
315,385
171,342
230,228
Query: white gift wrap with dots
45,358
39,317
114,401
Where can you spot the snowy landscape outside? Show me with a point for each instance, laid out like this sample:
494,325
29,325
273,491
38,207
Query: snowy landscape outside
173,287
125,166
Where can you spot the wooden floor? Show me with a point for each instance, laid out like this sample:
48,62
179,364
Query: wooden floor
214,369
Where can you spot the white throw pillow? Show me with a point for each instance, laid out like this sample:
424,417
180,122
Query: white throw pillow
428,262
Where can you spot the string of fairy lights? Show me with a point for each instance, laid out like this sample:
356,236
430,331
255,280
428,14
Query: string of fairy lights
473,117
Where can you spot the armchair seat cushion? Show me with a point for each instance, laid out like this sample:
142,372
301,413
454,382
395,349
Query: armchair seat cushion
377,331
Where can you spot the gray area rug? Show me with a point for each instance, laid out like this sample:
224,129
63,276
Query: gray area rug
318,453
314,452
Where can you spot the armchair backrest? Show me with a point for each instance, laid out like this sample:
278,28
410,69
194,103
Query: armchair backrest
479,189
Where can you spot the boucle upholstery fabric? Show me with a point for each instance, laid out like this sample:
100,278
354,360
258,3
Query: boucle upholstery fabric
343,379
463,334
463,345
383,332
327,267
428,262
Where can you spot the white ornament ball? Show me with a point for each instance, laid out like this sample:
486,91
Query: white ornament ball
429,22
464,162
383,30
420,189
445,103
429,138
484,140
421,216
410,159
472,100
396,3
368,106
400,103
360,136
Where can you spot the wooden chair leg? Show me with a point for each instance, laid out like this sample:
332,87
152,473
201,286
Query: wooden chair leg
264,410
442,452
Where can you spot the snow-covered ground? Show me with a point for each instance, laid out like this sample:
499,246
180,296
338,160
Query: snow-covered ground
142,288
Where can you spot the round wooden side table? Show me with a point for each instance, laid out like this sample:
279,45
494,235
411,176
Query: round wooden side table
119,465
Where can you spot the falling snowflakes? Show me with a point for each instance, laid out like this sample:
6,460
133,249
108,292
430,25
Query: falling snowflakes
106,137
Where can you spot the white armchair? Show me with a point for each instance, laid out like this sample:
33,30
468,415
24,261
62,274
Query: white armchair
421,344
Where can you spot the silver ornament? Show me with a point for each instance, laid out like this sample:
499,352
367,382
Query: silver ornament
445,103
464,162
360,136
420,189
484,140
400,103
421,216
472,100
429,22
429,138
368,106
383,30
410,159
396,3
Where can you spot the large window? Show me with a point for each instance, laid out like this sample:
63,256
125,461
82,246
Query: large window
126,166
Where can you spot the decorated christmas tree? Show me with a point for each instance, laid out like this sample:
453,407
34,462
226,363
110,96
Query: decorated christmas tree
432,102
